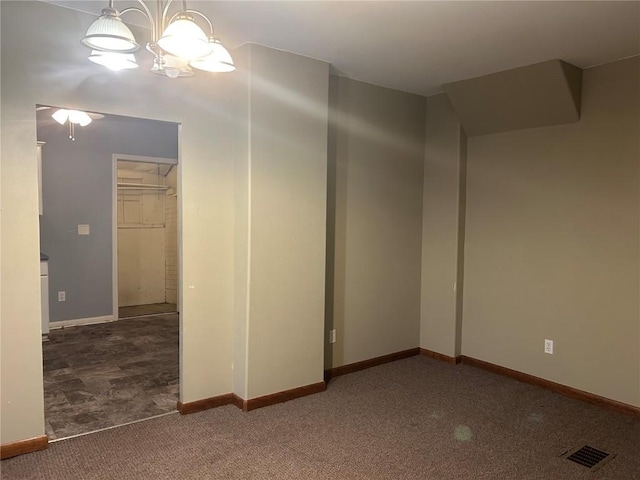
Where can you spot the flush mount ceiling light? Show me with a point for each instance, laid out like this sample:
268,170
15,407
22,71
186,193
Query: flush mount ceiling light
177,42
75,117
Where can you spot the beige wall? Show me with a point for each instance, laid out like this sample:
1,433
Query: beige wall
280,259
442,231
552,222
141,266
51,68
242,176
552,243
538,95
171,238
286,188
376,164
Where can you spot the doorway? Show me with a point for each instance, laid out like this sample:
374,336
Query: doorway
145,246
101,371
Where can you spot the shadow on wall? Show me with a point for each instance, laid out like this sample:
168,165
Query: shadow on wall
331,225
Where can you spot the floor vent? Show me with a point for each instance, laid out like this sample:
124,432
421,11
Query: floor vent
589,457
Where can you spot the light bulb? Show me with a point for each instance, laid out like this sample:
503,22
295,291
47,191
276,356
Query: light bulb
172,67
172,72
114,61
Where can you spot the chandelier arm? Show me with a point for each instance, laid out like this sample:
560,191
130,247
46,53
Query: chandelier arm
146,13
196,12
165,11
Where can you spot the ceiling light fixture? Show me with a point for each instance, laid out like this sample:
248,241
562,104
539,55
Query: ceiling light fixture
172,67
75,117
177,42
114,61
218,61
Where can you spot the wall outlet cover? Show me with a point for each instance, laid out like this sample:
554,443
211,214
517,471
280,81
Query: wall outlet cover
548,346
84,229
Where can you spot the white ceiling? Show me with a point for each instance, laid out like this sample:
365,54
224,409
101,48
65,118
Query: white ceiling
417,46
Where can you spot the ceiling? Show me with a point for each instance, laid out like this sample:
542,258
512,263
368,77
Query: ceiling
416,46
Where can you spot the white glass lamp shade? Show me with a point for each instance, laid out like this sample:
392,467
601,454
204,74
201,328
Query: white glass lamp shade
172,67
109,34
114,61
79,118
218,61
74,116
60,116
184,39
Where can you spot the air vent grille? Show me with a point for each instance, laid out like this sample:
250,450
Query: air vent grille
588,456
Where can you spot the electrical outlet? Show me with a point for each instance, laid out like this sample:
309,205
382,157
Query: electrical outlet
332,336
548,346
62,296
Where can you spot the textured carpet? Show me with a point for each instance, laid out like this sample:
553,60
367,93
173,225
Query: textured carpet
412,419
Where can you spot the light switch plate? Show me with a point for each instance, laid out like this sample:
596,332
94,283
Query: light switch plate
332,336
84,230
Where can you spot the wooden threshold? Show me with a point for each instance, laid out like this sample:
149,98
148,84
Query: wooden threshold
440,356
556,387
12,449
372,362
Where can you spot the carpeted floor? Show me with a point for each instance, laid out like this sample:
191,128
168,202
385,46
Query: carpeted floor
412,419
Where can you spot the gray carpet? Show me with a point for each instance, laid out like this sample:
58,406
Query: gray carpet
412,419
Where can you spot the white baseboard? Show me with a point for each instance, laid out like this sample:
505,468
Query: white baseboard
81,321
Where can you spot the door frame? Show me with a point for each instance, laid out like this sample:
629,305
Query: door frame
114,216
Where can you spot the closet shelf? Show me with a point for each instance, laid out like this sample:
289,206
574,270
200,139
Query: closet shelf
140,226
139,186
